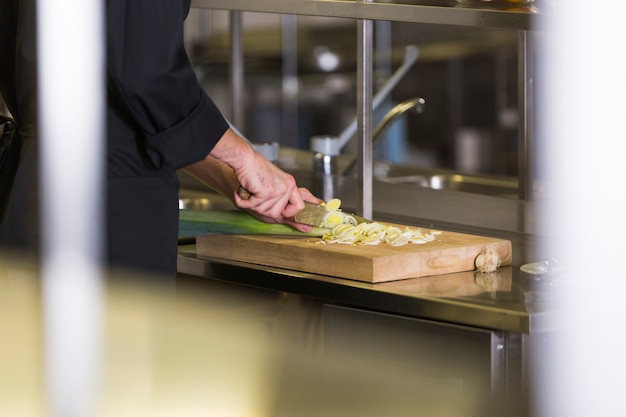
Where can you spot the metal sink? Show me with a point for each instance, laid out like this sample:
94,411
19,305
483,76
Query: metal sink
440,179
458,182
429,178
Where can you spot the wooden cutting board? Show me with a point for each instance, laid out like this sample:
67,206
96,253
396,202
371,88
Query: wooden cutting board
450,252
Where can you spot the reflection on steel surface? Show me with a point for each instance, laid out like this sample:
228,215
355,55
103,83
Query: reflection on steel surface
218,355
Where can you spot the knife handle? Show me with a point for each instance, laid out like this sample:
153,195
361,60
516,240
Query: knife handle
243,193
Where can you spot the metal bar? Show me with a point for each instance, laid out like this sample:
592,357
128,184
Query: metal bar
382,71
502,130
365,50
410,56
525,114
290,80
446,15
498,369
236,69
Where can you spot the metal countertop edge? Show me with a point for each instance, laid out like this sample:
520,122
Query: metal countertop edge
366,295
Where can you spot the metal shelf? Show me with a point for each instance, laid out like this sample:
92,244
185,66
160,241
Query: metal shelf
427,11
440,12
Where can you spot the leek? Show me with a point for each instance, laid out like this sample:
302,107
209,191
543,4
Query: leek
375,233
208,222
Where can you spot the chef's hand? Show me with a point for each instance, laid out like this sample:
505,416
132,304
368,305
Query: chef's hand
273,194
220,177
305,194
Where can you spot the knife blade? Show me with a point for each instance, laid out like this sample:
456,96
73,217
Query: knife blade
314,214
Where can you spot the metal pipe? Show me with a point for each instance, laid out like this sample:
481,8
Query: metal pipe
236,69
290,80
526,119
365,151
410,56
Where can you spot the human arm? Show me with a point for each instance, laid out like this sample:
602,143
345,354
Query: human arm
274,196
153,87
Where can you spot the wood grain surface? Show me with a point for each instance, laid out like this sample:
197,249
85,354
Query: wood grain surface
450,252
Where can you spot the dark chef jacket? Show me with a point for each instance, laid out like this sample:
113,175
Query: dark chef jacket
159,119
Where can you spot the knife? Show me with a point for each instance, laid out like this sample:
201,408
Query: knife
314,214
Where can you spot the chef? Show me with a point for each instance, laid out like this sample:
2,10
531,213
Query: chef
159,120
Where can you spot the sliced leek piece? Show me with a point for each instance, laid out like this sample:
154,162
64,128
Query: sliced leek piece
333,204
376,233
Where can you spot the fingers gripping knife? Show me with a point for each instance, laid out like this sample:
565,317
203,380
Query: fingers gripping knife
312,214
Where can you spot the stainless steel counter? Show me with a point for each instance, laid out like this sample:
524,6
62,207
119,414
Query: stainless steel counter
508,300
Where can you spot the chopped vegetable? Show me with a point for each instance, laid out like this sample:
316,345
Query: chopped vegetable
344,229
335,216
376,233
338,227
333,204
487,261
206,222
333,219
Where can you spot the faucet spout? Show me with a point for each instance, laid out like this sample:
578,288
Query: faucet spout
417,104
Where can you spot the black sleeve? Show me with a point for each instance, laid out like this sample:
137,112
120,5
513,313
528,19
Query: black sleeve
150,74
8,30
18,78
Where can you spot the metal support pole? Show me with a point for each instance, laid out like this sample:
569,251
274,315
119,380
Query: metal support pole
382,71
526,117
290,80
236,69
365,193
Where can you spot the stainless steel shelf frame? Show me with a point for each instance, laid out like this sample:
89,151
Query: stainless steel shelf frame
444,12
448,13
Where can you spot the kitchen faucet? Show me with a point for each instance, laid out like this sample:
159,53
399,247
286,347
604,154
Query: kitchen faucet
325,164
332,145
417,104
326,148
